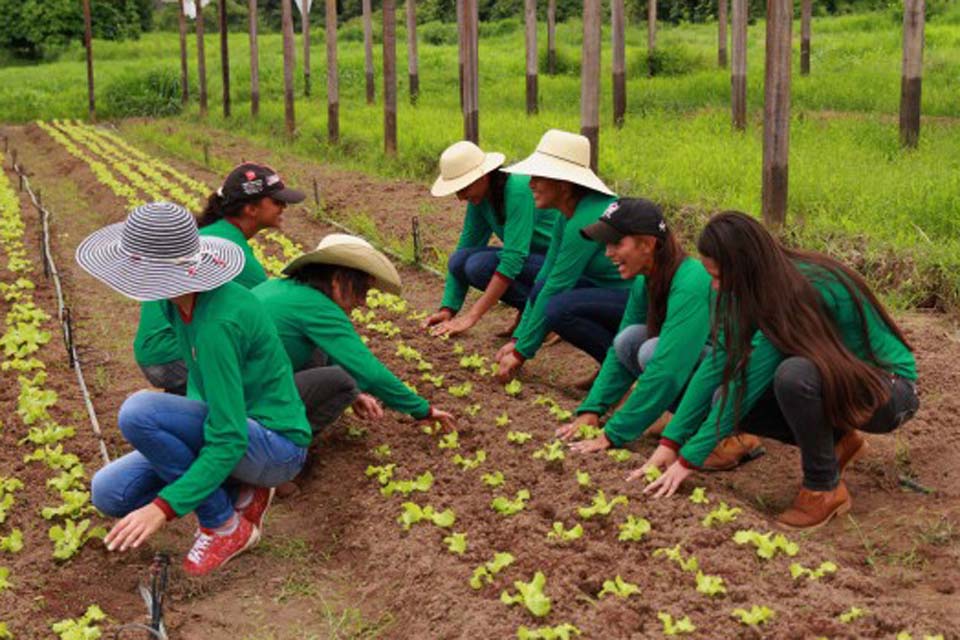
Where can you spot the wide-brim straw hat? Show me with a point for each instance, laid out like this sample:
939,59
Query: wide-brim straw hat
562,155
462,164
345,250
156,253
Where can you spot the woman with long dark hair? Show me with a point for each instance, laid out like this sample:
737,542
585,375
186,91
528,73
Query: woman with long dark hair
805,354
498,204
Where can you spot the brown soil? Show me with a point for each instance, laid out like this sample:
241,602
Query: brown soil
335,563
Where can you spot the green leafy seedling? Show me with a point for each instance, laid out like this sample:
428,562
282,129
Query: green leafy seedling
797,570
4,585
583,479
618,587
767,544
486,572
505,506
551,452
473,362
699,496
413,513
620,455
472,409
530,594
68,539
383,473
588,432
424,366
382,451
456,543
651,473
757,615
468,464
457,349
435,380
422,483
460,390
494,479
82,628
674,554
558,533
722,514
563,631
633,529
13,542
600,506
519,437
561,414
513,388
503,419
450,441
432,429
673,627
854,613
710,585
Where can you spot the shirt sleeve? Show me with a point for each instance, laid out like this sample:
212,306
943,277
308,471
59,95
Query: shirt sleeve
475,233
517,231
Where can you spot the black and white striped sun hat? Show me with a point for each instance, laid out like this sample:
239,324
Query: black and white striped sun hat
156,253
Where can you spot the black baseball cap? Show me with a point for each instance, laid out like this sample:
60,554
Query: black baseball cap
627,217
251,181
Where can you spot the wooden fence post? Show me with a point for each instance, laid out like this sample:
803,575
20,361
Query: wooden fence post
333,77
413,60
201,59
590,79
776,111
368,50
224,56
305,33
722,33
471,86
390,77
738,70
530,40
618,35
806,11
460,40
651,35
912,77
254,61
88,43
552,37
289,61
184,71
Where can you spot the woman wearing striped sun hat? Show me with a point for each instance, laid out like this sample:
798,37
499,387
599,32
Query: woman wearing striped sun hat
217,455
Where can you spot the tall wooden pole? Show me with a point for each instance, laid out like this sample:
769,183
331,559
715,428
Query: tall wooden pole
914,12
333,77
776,111
88,43
254,60
651,34
390,77
738,70
413,60
530,40
305,33
184,71
201,59
368,50
552,37
590,78
722,33
289,62
618,35
224,56
471,87
806,11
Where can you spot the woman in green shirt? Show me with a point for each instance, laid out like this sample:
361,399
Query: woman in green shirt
498,204
310,309
805,354
252,198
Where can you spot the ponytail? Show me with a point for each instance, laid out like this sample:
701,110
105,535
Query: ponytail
216,209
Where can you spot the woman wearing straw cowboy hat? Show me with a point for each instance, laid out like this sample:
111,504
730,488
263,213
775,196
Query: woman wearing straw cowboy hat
217,455
500,204
579,293
311,308
252,198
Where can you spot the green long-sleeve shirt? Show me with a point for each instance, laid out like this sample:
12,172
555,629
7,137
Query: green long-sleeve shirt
238,367
307,319
569,258
699,436
154,343
525,229
683,334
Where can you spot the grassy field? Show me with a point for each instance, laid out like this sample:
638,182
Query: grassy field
853,191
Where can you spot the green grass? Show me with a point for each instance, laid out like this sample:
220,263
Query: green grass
853,191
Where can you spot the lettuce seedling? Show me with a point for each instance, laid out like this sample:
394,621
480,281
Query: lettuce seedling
551,452
486,571
583,479
755,616
673,627
561,414
673,553
854,613
7,487
360,316
50,434
423,365
710,585
435,380
414,513
4,585
422,483
494,479
68,539
472,410
542,400
416,315
53,457
431,430
563,631
75,504
12,543
633,529
519,437
383,472
506,507
560,535
456,543
407,353
699,496
620,455
530,594
513,388
600,506
797,570
460,390
450,441
385,328
473,362
468,464
82,628
381,451
503,419
356,433
767,544
409,385
588,432
722,515
650,474
618,587
457,349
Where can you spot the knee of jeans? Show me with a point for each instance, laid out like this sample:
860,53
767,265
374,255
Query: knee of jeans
345,381
556,310
103,495
133,413
646,351
795,375
627,342
457,262
480,267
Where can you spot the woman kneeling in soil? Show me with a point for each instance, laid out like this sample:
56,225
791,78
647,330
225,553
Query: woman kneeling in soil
311,310
579,293
218,455
252,198
805,354
500,204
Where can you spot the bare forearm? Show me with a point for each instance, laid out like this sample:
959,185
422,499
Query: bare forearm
494,291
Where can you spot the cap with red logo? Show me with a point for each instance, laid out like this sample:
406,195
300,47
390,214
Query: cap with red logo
250,181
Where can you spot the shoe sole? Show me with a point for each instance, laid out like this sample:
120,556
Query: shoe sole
841,510
263,514
749,456
251,542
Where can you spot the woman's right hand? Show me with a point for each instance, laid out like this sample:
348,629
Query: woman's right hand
661,458
446,419
567,431
443,315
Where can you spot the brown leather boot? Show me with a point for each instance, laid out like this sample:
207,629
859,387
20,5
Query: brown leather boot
733,451
848,449
507,333
585,383
813,509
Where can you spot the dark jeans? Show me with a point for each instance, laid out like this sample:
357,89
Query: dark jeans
476,267
326,390
586,316
792,412
170,376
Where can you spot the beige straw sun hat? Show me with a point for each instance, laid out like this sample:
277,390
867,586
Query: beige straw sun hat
350,251
562,156
462,164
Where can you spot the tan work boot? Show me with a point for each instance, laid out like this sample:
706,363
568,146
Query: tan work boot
508,332
848,449
733,451
813,509
584,384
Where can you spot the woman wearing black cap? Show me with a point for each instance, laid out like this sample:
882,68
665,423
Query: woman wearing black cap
252,198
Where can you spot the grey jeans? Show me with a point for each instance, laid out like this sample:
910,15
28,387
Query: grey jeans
326,390
170,376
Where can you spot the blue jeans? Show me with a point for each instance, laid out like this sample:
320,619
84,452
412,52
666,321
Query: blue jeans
476,266
167,432
586,316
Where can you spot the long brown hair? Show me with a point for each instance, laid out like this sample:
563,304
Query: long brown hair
762,289
667,257
354,283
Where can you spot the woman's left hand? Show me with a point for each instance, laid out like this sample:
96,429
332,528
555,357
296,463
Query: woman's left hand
135,527
454,326
600,443
367,407
668,483
508,365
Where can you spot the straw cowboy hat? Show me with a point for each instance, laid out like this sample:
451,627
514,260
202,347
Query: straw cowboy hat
156,253
350,251
462,164
562,156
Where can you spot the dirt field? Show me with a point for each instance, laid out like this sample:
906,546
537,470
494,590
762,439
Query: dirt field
334,562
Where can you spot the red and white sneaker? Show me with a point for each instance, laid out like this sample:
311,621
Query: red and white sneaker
212,550
256,509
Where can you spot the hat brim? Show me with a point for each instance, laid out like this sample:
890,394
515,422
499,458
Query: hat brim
366,259
288,195
442,187
100,255
545,166
602,232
